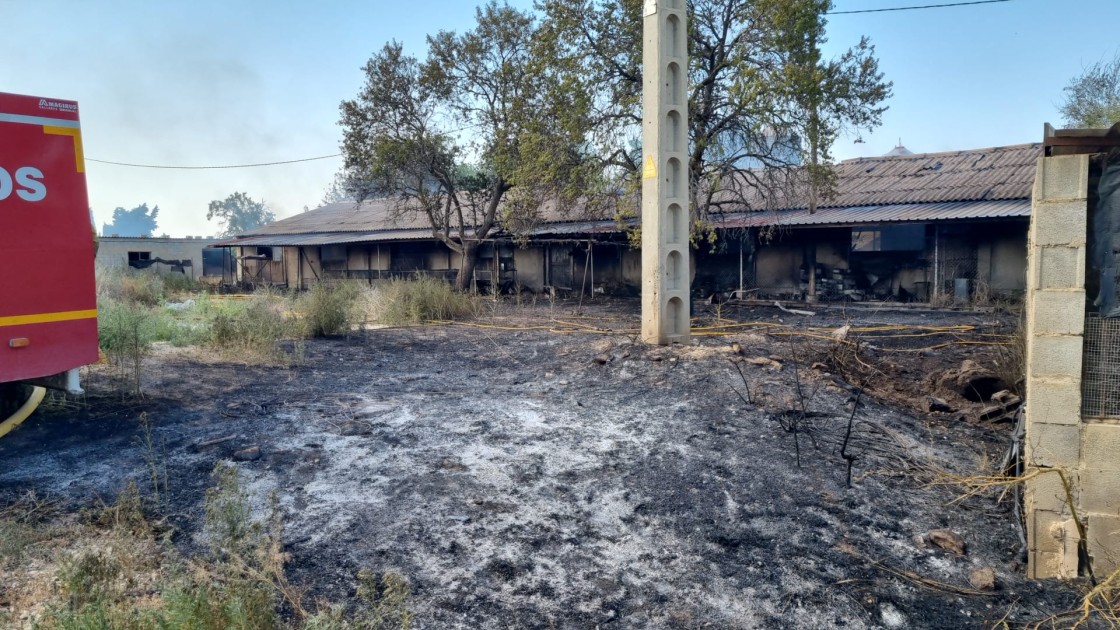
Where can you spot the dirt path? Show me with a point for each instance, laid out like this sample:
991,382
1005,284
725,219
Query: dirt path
528,478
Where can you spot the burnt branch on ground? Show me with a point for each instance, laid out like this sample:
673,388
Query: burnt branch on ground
746,395
795,420
850,458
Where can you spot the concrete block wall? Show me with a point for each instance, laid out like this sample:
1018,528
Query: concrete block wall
112,251
1075,490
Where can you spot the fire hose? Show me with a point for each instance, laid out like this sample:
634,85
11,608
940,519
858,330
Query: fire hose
21,414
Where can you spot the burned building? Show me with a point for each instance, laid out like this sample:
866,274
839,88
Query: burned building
916,227
933,227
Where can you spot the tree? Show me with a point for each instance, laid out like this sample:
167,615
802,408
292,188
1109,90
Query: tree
239,213
139,221
471,139
764,106
336,191
1093,99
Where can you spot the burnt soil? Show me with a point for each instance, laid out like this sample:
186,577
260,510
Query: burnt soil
543,469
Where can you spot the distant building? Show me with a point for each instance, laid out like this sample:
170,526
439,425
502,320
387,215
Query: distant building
191,256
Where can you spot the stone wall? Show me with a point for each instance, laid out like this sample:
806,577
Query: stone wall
1073,464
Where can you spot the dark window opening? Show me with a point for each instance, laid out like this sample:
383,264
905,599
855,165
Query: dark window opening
134,256
889,238
333,256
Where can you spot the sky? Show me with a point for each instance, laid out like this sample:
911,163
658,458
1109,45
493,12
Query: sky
220,82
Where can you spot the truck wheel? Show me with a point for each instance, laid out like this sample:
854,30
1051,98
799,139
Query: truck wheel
12,397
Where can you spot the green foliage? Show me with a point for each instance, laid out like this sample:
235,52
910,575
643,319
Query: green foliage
528,131
384,606
155,457
254,327
229,524
100,614
386,602
88,578
178,283
111,575
236,587
16,536
330,308
242,604
134,312
239,213
1093,98
124,515
126,331
760,93
402,302
139,221
134,286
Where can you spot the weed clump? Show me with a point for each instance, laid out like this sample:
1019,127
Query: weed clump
126,331
254,327
402,302
330,308
131,286
1010,358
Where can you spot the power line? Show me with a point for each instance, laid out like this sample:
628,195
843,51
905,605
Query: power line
166,166
925,6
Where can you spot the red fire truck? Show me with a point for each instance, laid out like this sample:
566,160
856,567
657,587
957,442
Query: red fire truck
48,302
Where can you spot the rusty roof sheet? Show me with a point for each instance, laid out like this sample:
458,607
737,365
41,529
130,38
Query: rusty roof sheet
888,213
970,175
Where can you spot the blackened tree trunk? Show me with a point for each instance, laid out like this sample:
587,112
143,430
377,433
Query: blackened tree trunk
467,265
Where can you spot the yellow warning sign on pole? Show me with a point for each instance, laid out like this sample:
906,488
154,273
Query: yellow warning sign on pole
649,171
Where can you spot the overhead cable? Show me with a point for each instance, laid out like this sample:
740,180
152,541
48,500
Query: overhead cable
169,166
925,6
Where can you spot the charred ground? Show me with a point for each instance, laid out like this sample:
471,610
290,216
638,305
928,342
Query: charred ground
538,470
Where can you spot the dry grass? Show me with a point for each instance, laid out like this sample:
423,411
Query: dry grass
405,302
1100,601
1009,361
109,568
331,308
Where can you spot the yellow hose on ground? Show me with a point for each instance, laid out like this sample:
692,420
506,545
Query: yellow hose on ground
21,414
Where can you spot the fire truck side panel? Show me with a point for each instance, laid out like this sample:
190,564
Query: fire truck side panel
47,294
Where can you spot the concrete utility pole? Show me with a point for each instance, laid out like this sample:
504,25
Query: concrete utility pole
665,225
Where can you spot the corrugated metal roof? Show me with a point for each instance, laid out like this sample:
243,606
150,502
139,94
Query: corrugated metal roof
345,216
888,213
915,187
330,238
858,215
970,175
576,227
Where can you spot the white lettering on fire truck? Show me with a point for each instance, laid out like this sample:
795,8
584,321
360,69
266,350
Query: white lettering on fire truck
26,185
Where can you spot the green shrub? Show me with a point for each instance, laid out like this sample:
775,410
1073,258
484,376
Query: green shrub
254,326
330,308
383,606
126,331
123,580
16,537
89,578
401,302
132,286
175,282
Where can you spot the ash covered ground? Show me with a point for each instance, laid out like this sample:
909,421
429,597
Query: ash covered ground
540,470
